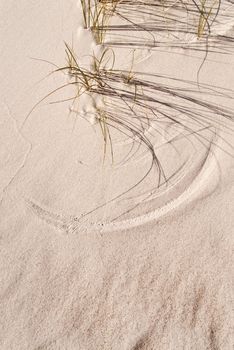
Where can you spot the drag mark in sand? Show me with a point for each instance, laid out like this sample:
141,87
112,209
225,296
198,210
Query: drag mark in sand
72,224
56,220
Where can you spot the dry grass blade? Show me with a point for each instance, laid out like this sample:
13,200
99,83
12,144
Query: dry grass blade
205,13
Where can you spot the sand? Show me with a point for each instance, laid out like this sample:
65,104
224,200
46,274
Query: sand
89,260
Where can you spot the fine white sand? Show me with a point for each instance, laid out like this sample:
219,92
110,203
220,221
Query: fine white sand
88,260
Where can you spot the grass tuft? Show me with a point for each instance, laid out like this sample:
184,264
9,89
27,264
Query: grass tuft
96,15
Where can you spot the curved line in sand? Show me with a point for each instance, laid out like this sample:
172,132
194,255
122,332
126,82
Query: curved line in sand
208,168
71,225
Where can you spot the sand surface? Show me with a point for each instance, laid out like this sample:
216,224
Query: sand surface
91,257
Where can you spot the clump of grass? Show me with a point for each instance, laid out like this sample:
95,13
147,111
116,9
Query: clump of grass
96,15
119,86
103,80
91,81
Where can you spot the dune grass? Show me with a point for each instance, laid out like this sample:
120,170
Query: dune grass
96,15
134,102
170,23
90,82
131,103
102,79
105,80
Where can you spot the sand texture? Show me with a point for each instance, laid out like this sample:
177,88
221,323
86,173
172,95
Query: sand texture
123,243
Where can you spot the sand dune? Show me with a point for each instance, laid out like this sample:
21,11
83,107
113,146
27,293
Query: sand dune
128,244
